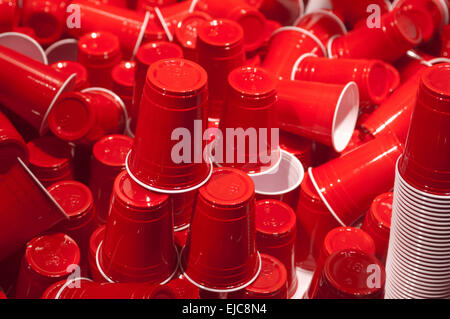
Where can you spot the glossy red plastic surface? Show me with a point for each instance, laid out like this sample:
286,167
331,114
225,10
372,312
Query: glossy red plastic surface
47,259
12,145
138,245
426,160
145,5
70,67
283,11
445,41
323,24
9,15
175,96
355,11
123,75
221,249
94,241
300,147
183,206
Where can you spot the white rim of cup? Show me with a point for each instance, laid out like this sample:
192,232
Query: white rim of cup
330,46
421,203
57,45
40,55
422,261
444,8
193,5
297,63
341,136
163,24
322,197
221,290
178,229
106,277
434,61
69,282
416,269
293,162
301,9
141,34
330,14
44,190
414,252
414,287
62,89
271,170
433,219
417,281
306,32
115,97
422,211
424,227
412,192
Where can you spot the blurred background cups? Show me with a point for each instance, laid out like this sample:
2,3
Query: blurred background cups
220,254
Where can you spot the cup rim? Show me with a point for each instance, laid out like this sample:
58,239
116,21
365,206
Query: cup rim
59,44
330,14
68,283
306,32
141,35
432,220
420,271
300,60
39,55
412,257
418,282
269,170
421,204
423,227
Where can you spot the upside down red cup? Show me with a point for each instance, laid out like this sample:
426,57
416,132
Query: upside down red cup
398,33
108,160
270,284
27,208
43,87
50,160
220,50
343,182
12,145
371,76
220,254
275,236
146,55
338,239
352,274
62,50
138,245
326,113
183,207
250,105
426,161
174,101
85,117
47,18
145,5
355,12
123,75
95,240
9,15
298,146
48,259
286,46
283,11
323,24
445,41
377,223
70,67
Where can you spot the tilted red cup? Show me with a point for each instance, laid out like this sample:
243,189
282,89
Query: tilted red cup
270,284
146,56
62,50
174,101
220,254
70,67
50,160
425,163
183,207
12,145
286,46
108,160
354,12
398,33
220,50
352,274
48,259
343,182
9,15
445,41
95,240
325,113
377,223
138,245
283,11
323,24
276,235
85,117
43,87
47,18
338,239
250,106
123,75
298,146
371,76
146,5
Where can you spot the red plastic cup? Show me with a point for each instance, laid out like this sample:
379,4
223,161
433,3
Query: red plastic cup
338,239
51,160
354,12
286,46
326,113
220,50
371,76
85,117
180,238
47,18
62,50
323,24
146,56
270,284
108,160
425,163
176,95
275,236
352,274
398,33
378,223
9,15
183,288
99,52
298,146
70,67
445,41
2,295
393,77
183,206
283,11
138,245
146,5
95,240
343,183
250,105
48,259
123,82
27,209
186,33
220,254
23,44
12,145
43,87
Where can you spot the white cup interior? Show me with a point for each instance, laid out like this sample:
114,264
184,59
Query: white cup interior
23,44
